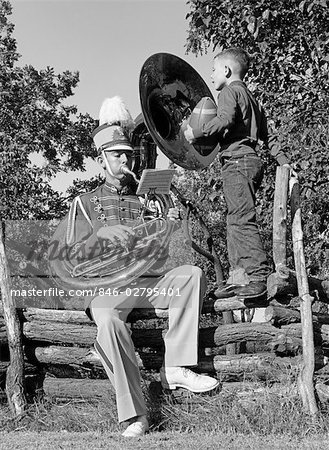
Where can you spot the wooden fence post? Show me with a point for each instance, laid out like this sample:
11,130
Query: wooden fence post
280,217
15,384
280,277
305,380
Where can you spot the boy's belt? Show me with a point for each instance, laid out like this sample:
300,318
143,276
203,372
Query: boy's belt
225,158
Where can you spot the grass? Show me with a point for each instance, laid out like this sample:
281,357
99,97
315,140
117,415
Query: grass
166,440
255,416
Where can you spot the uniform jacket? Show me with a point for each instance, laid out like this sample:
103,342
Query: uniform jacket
104,206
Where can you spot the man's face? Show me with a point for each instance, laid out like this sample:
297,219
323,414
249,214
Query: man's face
219,73
116,160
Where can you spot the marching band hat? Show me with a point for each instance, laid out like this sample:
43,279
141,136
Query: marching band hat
111,137
115,122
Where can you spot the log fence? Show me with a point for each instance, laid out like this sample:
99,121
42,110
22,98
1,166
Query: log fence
60,359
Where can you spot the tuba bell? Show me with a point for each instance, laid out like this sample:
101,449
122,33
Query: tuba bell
169,90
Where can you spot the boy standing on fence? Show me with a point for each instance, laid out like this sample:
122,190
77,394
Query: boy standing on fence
240,124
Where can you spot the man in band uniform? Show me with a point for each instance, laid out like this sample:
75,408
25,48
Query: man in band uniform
103,218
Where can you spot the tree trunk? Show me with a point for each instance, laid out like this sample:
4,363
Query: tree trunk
84,335
60,333
235,367
231,349
278,316
210,306
15,388
88,358
307,372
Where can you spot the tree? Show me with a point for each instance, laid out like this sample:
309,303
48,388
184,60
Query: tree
34,118
288,42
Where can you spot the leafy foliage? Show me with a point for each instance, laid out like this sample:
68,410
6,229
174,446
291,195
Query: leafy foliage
209,201
34,119
40,135
288,42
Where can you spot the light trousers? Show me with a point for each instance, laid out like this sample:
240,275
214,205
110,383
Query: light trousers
180,290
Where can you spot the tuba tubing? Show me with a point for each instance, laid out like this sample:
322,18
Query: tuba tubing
120,265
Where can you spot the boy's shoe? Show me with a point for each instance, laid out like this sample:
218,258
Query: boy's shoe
254,289
137,428
226,290
181,377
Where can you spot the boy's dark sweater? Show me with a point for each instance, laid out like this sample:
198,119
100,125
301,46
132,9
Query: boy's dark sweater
240,124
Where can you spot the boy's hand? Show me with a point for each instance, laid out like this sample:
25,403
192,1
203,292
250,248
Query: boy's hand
189,136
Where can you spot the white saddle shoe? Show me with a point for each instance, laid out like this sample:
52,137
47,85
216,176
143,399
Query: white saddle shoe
137,428
181,377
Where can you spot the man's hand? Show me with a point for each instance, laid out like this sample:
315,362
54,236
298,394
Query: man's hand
116,233
173,214
189,136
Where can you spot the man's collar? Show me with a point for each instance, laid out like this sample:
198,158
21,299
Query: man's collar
128,189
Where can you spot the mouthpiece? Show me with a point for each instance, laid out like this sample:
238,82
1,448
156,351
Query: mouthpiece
126,171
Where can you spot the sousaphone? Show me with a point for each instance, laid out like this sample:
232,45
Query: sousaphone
169,90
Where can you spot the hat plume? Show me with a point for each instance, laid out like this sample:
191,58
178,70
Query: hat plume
114,112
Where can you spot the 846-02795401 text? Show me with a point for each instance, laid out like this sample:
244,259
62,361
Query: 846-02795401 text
129,292
141,292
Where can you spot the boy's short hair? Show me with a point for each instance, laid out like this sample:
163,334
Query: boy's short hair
239,56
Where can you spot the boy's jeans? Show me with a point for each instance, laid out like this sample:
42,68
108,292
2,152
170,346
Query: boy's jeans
241,179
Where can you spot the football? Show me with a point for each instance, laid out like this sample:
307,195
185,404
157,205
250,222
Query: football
204,111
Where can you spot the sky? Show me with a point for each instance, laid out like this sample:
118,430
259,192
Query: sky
107,41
